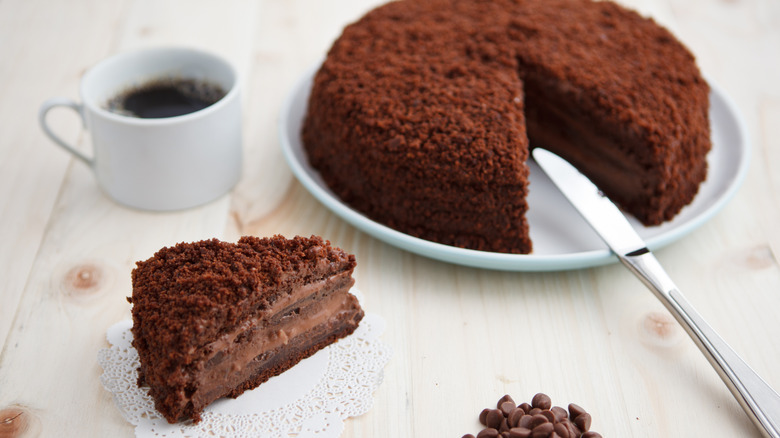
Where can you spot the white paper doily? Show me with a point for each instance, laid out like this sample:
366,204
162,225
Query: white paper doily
312,399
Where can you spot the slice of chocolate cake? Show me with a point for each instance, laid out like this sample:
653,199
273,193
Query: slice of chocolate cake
213,319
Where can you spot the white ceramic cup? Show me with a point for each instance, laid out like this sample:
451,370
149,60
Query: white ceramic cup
159,164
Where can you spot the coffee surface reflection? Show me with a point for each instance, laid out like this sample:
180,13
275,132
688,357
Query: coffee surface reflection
163,98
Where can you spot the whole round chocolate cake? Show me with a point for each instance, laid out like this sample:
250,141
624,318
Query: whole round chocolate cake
423,113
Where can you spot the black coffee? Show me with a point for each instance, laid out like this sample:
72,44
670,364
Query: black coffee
166,98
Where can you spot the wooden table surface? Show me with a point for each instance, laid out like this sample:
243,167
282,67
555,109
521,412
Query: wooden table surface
461,337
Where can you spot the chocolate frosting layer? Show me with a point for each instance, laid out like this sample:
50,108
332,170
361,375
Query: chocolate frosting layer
237,356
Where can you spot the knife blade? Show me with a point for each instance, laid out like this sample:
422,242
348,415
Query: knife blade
755,396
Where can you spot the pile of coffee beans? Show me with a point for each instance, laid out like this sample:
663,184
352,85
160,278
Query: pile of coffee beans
540,419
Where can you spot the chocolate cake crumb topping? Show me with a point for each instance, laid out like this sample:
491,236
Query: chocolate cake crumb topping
423,112
192,291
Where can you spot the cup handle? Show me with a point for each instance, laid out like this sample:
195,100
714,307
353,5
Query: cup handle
67,103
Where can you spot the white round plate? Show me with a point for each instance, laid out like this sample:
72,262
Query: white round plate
561,238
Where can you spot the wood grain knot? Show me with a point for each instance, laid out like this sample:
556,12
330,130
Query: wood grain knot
749,258
84,280
758,257
659,329
17,422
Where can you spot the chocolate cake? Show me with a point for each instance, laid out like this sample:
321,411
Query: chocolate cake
423,112
212,319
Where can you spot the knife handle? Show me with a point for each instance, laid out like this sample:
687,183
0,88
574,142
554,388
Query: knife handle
755,396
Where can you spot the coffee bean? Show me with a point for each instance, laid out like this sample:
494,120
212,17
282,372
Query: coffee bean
544,427
541,401
562,430
539,419
548,415
525,421
536,420
574,431
514,417
583,421
504,399
575,410
559,413
493,418
483,416
519,432
542,430
488,433
507,407
504,427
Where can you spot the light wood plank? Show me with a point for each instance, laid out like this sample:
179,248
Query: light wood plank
88,234
38,38
461,337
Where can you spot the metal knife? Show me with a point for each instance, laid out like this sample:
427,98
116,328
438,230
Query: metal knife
757,398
